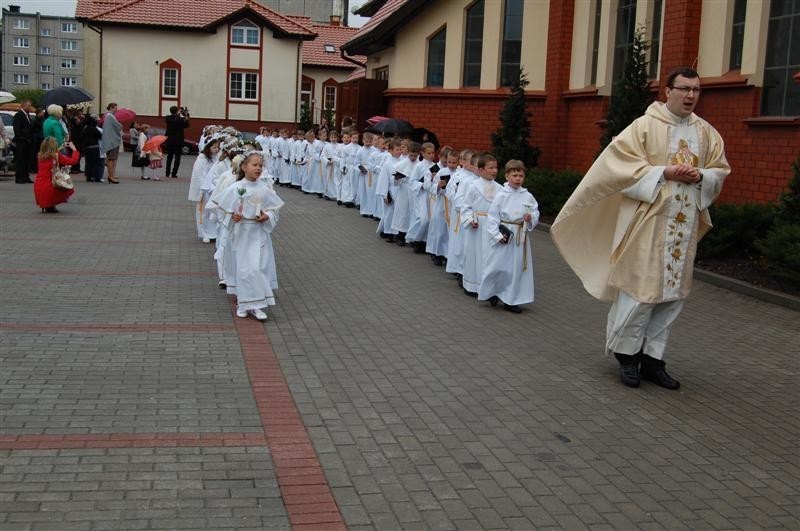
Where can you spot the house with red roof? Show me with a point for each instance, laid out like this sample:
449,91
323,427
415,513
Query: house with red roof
234,62
448,65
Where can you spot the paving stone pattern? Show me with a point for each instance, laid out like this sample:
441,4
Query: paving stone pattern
427,409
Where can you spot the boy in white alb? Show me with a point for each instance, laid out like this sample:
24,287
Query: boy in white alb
284,159
329,157
385,189
508,269
366,181
439,226
315,185
401,219
474,223
420,183
456,190
379,155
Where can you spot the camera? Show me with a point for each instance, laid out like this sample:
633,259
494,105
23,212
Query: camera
184,111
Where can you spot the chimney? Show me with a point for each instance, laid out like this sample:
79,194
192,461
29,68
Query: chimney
13,9
336,20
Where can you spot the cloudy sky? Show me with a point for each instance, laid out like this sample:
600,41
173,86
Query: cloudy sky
67,8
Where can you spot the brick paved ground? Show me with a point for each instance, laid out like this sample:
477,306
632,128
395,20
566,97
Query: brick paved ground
131,398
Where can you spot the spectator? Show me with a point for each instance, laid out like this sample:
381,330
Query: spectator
177,121
111,141
23,142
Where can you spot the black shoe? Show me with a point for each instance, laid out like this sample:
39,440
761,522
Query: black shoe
419,247
319,195
512,308
653,371
222,284
493,301
438,261
475,296
51,210
339,203
389,238
348,204
629,369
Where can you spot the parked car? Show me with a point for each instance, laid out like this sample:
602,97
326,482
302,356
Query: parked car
189,146
8,123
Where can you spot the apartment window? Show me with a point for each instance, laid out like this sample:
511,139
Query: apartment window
243,86
69,63
381,73
473,45
46,86
69,27
169,82
45,50
69,46
22,60
436,44
781,95
623,41
21,42
598,10
306,91
69,82
737,34
655,39
511,54
245,33
45,68
46,32
22,23
21,79
330,97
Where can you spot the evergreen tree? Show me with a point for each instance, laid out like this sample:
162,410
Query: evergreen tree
305,118
511,140
631,94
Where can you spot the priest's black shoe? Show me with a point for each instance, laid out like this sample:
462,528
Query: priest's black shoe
653,371
629,369
512,308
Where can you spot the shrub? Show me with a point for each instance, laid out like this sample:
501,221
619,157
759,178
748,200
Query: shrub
306,123
35,95
736,229
551,188
512,138
780,252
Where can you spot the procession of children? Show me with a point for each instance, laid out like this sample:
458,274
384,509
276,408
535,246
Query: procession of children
448,206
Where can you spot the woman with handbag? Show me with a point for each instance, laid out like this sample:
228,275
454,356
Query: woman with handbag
53,185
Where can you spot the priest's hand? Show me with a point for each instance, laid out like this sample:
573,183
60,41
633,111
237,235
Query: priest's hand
262,217
682,173
236,218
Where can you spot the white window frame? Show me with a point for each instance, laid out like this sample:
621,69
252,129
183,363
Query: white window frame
21,42
71,27
46,86
21,79
45,68
242,92
69,64
325,105
45,50
247,28
21,23
69,46
22,60
70,81
164,92
46,32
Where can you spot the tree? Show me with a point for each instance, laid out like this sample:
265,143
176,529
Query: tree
327,113
631,94
35,95
511,140
305,118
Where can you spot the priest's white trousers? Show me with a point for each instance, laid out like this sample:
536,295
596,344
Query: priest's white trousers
635,326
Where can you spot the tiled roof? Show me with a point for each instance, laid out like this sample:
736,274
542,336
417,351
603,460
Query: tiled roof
314,52
358,73
378,32
185,14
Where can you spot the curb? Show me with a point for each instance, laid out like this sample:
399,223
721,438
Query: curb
732,284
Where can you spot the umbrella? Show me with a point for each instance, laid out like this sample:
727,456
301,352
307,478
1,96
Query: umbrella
154,143
376,119
66,96
6,97
123,114
393,127
420,134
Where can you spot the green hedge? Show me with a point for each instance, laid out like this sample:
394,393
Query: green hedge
780,252
736,229
551,188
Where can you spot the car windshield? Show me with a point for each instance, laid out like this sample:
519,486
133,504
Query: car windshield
7,119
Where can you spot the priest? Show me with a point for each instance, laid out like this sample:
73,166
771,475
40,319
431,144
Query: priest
630,229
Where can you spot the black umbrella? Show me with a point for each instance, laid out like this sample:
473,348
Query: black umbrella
66,96
392,127
420,134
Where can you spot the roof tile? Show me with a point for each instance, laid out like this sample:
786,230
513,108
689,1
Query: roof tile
314,51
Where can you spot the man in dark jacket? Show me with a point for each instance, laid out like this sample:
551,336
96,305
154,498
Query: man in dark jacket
176,123
23,142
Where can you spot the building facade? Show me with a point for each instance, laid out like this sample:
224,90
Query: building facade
40,51
319,11
448,64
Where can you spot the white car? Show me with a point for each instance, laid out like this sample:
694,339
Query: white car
8,123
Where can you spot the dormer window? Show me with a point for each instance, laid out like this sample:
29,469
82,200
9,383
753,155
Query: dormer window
245,33
330,48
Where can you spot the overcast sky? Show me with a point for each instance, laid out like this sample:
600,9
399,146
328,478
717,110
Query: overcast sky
66,8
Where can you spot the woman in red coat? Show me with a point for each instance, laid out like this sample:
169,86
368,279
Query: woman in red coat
46,196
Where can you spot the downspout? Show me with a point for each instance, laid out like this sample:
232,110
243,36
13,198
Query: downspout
297,82
351,60
99,31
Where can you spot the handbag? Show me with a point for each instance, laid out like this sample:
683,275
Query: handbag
61,179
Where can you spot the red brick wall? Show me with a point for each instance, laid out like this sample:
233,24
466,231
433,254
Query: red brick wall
760,156
583,133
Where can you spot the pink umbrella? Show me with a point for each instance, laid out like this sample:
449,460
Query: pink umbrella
154,143
376,120
123,114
